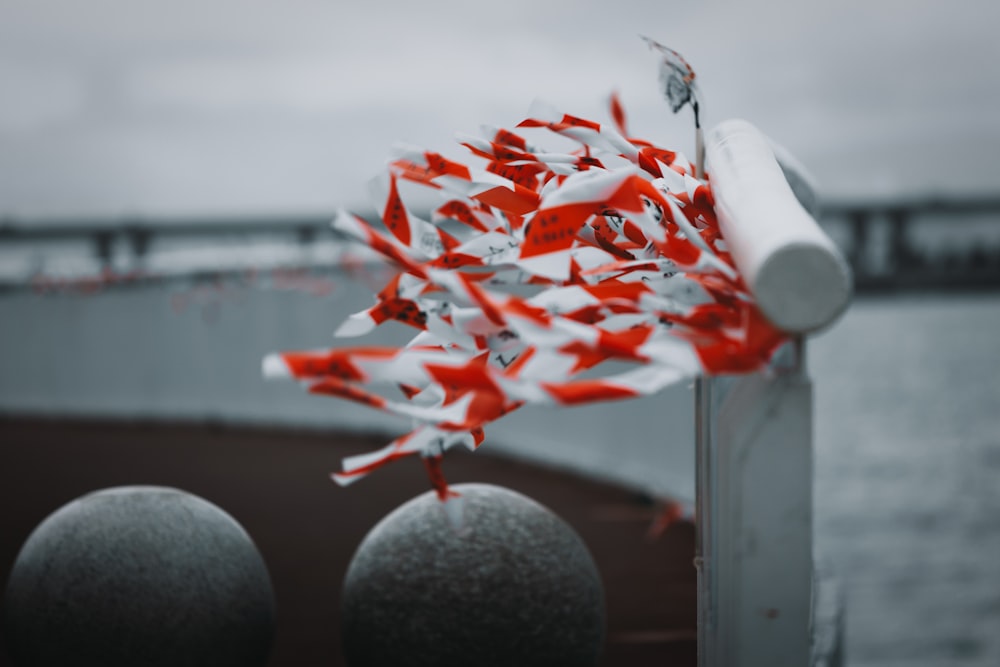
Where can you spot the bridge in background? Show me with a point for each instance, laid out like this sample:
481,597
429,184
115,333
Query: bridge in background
892,244
933,243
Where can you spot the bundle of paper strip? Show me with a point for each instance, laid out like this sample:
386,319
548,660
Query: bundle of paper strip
535,269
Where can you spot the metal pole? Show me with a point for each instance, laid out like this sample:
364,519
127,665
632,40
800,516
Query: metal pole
703,513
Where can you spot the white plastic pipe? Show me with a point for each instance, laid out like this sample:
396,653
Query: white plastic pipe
797,275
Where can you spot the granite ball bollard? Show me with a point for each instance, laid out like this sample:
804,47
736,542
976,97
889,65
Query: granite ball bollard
139,575
513,585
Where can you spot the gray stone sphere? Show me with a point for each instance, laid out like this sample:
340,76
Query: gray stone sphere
512,585
139,575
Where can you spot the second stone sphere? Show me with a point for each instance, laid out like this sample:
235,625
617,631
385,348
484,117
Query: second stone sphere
513,585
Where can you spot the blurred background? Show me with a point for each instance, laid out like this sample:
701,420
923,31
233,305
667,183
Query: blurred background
167,171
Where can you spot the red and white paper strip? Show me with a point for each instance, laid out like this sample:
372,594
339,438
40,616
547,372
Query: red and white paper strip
535,268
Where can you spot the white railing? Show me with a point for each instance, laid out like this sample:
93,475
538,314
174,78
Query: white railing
756,592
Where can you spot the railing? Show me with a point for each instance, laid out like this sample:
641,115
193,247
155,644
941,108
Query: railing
757,587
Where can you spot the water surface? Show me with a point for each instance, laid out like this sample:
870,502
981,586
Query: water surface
907,487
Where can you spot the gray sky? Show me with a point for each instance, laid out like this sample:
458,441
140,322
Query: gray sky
257,106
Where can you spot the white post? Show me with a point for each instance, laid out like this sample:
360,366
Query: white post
754,432
755,519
